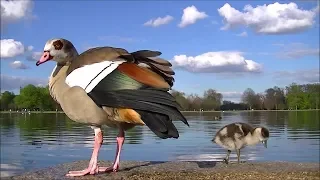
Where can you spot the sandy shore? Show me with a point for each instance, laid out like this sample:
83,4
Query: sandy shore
136,170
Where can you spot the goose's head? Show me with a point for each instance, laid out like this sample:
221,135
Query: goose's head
59,50
262,134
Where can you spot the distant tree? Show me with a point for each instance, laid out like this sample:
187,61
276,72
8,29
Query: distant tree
314,90
29,97
47,103
211,100
7,100
228,105
259,101
295,96
195,102
270,100
249,97
180,98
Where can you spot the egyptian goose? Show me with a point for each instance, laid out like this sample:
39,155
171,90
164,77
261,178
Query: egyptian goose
110,86
236,136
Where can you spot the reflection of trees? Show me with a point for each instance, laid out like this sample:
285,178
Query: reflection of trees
251,117
6,122
134,135
38,129
301,121
308,120
57,128
276,118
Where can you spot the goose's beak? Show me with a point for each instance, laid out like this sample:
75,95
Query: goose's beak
44,58
265,143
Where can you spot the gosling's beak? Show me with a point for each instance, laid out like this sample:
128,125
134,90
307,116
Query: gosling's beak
265,143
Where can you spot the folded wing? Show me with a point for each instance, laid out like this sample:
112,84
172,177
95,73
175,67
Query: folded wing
130,81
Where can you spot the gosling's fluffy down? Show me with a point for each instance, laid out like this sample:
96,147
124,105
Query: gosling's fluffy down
236,136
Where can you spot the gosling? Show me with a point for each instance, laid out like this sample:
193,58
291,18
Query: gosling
236,136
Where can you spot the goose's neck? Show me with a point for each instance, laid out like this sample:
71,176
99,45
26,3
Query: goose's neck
57,84
252,139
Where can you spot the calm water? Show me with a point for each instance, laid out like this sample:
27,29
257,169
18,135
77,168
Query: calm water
30,141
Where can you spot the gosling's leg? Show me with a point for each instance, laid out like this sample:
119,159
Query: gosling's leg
238,154
226,160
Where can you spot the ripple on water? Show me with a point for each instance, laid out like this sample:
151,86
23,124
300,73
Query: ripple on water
42,140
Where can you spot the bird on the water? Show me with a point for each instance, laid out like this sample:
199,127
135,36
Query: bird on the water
113,87
236,136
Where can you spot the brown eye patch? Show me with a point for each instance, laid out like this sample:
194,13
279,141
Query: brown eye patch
57,45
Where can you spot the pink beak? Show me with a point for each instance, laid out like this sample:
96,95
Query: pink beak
44,58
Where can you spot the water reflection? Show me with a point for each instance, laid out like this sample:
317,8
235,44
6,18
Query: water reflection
31,141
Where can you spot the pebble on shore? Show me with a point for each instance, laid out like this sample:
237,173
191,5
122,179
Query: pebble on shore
138,170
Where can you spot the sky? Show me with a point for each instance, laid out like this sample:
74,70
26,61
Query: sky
224,45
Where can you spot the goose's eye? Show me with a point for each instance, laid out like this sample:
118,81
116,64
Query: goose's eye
57,45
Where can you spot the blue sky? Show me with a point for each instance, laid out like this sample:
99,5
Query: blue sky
266,44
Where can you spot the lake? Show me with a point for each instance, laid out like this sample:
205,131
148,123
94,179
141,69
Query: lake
32,141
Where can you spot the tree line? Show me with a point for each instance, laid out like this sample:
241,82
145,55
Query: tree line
293,96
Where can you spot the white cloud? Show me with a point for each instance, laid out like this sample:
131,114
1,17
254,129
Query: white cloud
298,76
296,51
217,62
299,53
18,65
10,83
274,18
30,48
243,34
15,10
190,16
159,21
231,94
11,48
35,56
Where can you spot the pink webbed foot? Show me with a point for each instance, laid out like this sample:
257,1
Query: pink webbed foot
83,172
116,164
113,168
93,165
93,171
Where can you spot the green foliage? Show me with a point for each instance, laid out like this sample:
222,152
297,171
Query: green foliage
294,96
180,98
32,97
6,100
304,96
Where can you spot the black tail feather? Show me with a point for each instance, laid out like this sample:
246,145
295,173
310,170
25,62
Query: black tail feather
160,124
157,108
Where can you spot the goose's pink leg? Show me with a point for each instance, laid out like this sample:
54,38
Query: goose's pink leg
93,165
115,166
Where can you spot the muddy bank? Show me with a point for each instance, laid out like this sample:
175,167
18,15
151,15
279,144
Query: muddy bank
136,170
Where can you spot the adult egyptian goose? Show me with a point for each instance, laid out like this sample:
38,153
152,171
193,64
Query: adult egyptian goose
236,136
110,86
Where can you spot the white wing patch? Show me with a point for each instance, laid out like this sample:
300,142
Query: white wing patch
88,76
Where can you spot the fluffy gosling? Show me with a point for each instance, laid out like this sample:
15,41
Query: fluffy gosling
236,136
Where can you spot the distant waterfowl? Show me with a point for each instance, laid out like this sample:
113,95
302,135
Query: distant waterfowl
236,136
217,117
110,86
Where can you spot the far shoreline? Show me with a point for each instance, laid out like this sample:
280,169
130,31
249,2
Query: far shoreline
229,111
